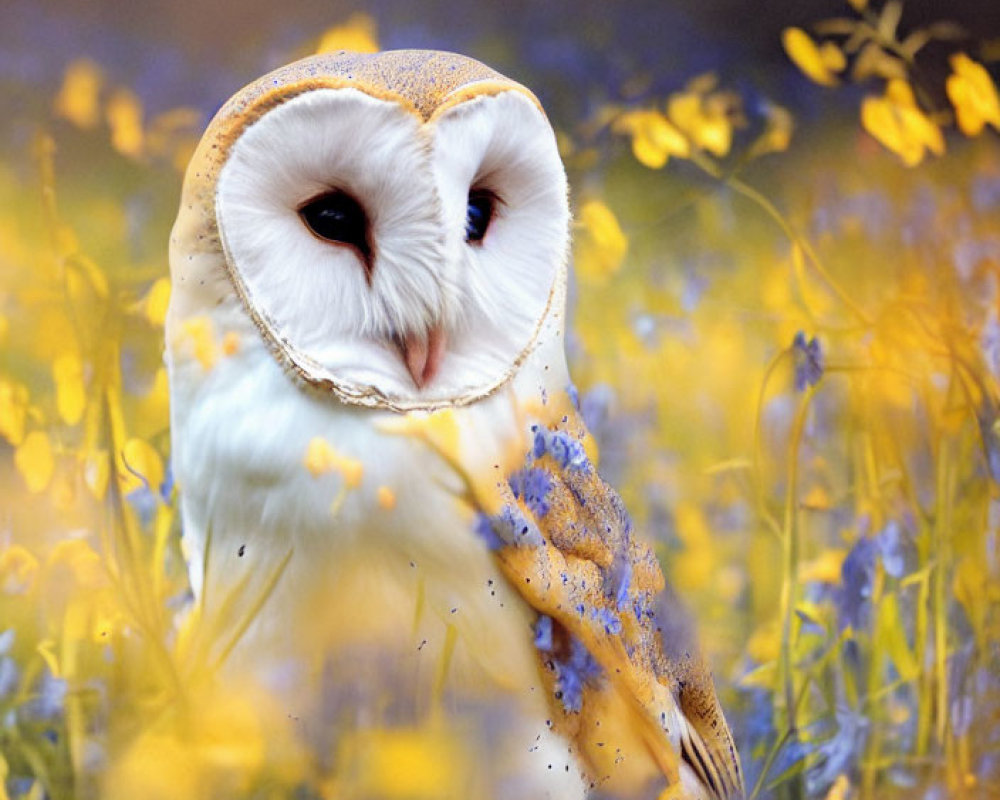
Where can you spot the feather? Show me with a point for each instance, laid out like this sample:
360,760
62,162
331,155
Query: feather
564,539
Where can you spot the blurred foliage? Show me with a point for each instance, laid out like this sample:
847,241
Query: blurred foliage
796,389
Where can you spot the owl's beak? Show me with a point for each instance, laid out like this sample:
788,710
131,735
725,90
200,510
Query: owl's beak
422,354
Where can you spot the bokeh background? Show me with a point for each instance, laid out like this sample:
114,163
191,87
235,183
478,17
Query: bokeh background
785,332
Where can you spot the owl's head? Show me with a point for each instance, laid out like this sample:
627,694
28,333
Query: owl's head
395,224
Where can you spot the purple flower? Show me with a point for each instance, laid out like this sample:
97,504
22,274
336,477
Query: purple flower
808,361
857,574
896,549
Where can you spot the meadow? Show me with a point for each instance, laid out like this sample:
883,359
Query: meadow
785,331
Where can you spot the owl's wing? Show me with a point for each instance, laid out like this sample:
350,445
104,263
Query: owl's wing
625,680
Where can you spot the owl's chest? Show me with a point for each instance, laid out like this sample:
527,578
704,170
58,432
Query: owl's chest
316,504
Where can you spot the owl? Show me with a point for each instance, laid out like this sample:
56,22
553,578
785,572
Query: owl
389,505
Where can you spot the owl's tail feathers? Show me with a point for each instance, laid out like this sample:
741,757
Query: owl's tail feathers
717,767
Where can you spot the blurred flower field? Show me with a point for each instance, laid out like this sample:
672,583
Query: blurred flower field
786,335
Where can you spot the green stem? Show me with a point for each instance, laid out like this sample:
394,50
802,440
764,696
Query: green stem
755,196
790,558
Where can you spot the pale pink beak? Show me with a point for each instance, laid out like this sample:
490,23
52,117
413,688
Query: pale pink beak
423,354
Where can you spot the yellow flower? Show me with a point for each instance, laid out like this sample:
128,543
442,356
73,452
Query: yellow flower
404,762
71,396
898,123
77,100
81,561
654,139
157,300
777,134
818,64
34,460
18,568
124,113
841,788
974,95
704,118
141,463
13,411
358,34
602,245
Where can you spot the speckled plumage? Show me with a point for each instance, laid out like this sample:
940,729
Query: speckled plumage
565,541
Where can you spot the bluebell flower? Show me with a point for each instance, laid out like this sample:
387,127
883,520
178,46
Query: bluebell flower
10,676
837,754
962,713
532,485
857,574
968,254
144,501
808,361
48,701
897,551
792,752
986,192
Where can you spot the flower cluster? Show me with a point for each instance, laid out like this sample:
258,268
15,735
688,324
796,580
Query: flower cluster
905,118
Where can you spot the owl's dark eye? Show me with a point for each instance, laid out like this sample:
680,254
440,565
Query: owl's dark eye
338,217
478,214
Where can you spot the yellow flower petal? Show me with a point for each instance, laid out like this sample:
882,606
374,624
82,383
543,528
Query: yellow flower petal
157,301
124,113
34,460
18,568
899,124
654,139
141,464
704,120
833,57
77,100
13,411
71,396
807,56
973,94
777,134
357,34
602,245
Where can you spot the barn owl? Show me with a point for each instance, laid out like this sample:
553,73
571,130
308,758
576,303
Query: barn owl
389,504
